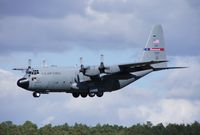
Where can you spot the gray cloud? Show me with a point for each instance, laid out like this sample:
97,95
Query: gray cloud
41,8
184,83
32,34
97,25
179,18
194,3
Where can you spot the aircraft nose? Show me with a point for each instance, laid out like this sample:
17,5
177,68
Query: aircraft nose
23,83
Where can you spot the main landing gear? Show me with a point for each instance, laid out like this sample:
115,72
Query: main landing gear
36,94
84,95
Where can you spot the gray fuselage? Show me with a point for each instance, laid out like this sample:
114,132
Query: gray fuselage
70,80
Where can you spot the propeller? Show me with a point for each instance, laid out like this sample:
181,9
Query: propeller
29,63
27,70
102,58
92,70
81,62
19,69
102,68
77,78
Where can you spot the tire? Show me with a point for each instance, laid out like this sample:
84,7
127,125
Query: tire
36,94
83,95
75,95
99,94
91,94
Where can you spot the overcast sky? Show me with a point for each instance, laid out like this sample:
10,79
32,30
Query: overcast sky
60,31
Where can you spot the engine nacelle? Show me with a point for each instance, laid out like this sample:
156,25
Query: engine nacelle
95,71
112,69
92,71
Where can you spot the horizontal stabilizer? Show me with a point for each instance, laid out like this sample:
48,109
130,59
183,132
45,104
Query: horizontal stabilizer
157,69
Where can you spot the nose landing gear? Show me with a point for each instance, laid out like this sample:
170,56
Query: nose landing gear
36,94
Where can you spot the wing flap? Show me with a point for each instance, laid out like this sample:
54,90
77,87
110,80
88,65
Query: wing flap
142,63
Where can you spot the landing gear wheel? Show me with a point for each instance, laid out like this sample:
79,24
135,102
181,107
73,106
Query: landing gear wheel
99,94
83,95
91,94
75,95
36,94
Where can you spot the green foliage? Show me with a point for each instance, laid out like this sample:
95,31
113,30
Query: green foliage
29,128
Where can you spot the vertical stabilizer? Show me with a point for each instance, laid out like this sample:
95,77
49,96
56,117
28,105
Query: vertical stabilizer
155,47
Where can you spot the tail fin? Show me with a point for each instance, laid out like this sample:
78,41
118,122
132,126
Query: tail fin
155,48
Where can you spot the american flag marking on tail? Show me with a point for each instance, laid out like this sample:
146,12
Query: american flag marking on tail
154,49
156,41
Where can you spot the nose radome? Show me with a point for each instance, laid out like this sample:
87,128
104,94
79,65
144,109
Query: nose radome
23,83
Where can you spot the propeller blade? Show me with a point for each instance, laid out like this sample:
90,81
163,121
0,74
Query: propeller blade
21,69
101,66
77,79
27,70
29,63
102,58
82,69
81,60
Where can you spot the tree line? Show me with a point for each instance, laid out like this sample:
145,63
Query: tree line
29,128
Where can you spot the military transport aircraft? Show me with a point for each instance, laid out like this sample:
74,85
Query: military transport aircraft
95,80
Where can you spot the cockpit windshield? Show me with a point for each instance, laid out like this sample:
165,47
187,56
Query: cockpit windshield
33,72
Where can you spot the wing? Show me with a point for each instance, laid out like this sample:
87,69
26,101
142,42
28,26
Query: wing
123,71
